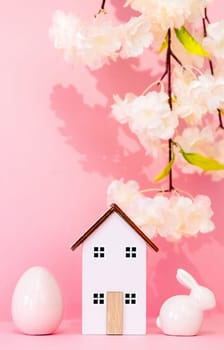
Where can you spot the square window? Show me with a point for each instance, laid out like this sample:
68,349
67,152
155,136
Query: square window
130,252
130,298
98,298
98,252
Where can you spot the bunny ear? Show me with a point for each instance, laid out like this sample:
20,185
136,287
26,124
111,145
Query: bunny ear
185,279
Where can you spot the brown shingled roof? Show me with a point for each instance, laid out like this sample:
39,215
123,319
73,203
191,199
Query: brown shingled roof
114,208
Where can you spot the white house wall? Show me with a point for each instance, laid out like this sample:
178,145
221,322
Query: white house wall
114,272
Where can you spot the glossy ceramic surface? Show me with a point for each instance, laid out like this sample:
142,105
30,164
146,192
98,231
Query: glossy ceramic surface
37,304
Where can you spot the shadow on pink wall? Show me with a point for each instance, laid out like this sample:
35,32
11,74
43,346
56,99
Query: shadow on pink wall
102,147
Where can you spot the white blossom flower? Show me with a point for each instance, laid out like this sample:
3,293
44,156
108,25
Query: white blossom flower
136,36
208,91
214,42
155,147
101,43
197,96
148,213
93,44
219,68
122,193
201,215
65,33
172,217
191,110
122,108
187,216
149,114
172,13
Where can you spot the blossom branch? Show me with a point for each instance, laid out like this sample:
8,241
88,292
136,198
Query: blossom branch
171,54
168,65
220,119
168,68
176,58
170,158
204,20
163,76
206,16
102,8
168,71
103,4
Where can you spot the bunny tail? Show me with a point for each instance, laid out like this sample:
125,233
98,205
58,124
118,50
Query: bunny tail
158,323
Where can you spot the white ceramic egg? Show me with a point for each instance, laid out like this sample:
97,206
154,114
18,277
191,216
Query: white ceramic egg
37,304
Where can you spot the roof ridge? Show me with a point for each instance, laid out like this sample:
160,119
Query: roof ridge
114,208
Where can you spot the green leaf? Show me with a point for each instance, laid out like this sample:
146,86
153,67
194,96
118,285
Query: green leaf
207,164
190,43
165,172
164,44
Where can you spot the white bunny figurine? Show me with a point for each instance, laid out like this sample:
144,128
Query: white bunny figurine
183,314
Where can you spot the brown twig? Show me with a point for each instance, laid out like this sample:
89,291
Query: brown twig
103,4
176,58
206,16
102,8
168,67
204,20
167,72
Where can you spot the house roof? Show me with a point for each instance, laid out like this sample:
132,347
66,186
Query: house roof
114,208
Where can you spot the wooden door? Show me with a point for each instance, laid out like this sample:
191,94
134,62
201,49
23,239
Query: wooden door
114,313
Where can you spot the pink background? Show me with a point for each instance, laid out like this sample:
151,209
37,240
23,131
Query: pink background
59,150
